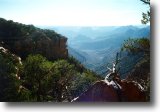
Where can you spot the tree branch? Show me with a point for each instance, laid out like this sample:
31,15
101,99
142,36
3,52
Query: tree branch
146,1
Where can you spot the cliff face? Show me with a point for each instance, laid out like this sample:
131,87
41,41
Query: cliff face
27,39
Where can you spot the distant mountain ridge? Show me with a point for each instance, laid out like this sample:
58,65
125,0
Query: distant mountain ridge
98,45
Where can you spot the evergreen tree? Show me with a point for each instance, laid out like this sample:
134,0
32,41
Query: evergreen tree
36,77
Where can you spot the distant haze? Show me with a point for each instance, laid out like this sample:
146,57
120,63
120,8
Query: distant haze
96,47
74,12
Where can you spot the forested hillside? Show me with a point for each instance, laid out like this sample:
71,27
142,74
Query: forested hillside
35,66
26,39
100,52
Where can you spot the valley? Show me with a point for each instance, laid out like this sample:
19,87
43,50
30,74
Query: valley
96,47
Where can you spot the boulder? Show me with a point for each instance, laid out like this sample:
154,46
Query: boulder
119,91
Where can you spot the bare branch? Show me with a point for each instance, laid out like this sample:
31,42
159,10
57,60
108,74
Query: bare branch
146,1
109,69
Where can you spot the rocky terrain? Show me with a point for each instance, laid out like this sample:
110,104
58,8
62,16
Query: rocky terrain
26,39
104,91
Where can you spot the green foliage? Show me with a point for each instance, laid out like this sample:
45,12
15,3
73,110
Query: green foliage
146,16
78,66
40,79
83,82
56,81
14,30
141,71
36,76
63,74
24,39
137,45
9,82
52,34
141,46
68,82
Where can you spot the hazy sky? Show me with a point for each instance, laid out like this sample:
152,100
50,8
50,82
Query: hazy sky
73,12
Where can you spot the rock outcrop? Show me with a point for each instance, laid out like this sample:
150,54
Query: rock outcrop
122,91
23,40
99,92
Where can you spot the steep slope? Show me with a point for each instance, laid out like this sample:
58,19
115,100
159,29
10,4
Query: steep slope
52,77
101,51
76,54
96,47
9,75
26,39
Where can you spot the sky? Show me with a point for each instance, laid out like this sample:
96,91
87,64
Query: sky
73,12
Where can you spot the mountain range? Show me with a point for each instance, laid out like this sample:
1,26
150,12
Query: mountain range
96,47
